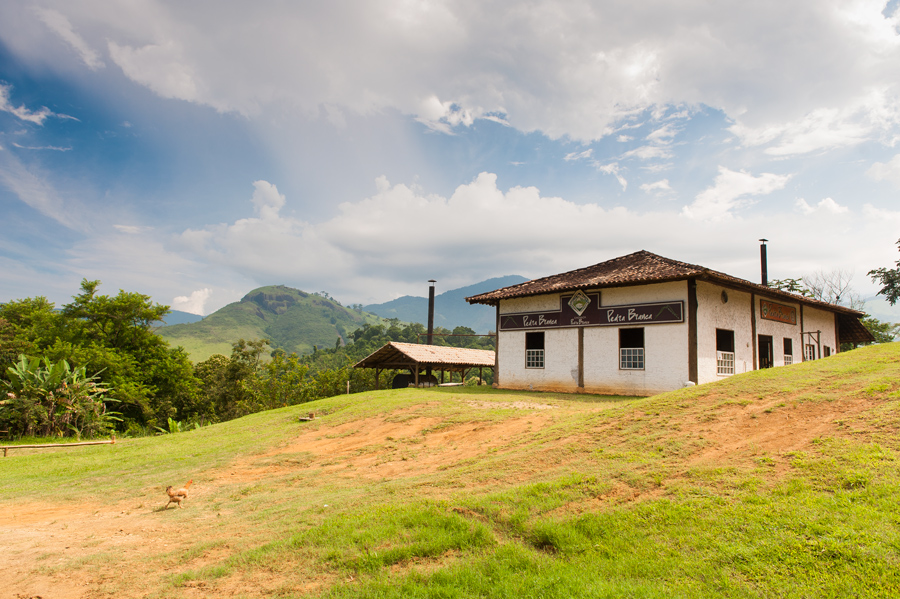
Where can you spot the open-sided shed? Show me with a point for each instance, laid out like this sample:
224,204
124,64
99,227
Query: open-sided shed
416,358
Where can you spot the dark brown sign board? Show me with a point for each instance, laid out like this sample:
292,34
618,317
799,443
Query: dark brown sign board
595,315
779,312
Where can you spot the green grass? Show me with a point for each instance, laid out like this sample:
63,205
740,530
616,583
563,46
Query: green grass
596,497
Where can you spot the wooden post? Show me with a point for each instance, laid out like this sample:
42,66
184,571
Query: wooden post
497,348
56,445
753,339
580,381
693,368
802,337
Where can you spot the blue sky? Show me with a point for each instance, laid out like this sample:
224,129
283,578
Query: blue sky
193,151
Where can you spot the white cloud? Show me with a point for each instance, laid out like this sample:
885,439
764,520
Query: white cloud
60,24
377,248
53,148
882,215
194,303
613,169
659,186
163,69
664,134
21,112
795,75
823,128
131,229
579,155
267,202
826,206
886,171
648,152
731,191
32,188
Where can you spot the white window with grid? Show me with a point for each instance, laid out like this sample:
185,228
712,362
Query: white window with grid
631,358
534,349
534,358
724,362
631,349
809,352
788,359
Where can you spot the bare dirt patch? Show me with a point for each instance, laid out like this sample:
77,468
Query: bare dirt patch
739,432
65,551
383,448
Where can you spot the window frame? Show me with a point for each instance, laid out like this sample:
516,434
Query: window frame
724,352
535,357
788,351
631,355
809,352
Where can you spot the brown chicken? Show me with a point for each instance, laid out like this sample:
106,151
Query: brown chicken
176,496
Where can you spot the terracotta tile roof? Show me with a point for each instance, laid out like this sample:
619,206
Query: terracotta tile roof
637,269
404,355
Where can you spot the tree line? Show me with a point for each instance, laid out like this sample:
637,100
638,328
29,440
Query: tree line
95,366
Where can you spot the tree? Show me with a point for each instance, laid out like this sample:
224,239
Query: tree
791,286
889,278
120,322
281,382
833,288
110,336
884,332
51,398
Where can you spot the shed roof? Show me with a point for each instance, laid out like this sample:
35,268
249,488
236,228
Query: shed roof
408,355
643,267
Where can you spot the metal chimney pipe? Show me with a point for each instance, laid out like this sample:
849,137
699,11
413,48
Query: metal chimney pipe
764,262
431,311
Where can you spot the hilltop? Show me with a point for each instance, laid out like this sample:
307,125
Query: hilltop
775,483
290,319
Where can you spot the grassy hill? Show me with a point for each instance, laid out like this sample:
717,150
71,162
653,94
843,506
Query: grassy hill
290,319
777,483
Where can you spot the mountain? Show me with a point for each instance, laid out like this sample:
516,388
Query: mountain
450,308
178,317
290,319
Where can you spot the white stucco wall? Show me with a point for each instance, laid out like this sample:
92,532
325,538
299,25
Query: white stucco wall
779,331
818,320
560,371
733,315
665,348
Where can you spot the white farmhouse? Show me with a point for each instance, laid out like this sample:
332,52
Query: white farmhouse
642,324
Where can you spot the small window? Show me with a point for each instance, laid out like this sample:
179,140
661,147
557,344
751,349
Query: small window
826,351
809,352
631,349
788,351
724,352
534,350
